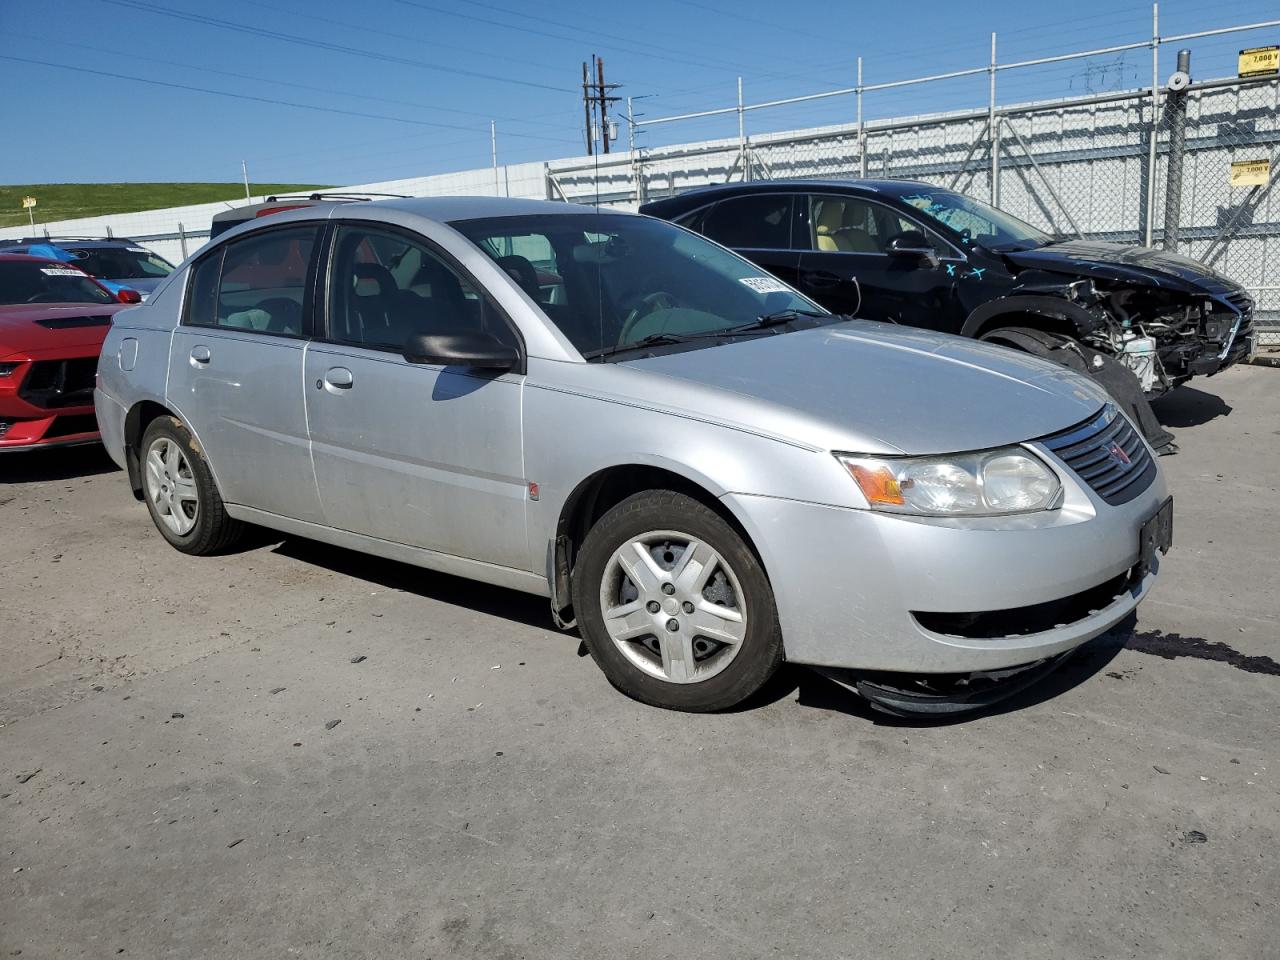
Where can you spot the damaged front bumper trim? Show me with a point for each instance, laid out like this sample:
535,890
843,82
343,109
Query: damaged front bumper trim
941,695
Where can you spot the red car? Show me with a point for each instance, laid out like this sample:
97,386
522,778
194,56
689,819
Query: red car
53,319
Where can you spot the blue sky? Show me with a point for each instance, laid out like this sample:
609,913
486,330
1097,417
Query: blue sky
408,87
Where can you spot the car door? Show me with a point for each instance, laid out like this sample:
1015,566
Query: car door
758,226
419,454
236,364
848,265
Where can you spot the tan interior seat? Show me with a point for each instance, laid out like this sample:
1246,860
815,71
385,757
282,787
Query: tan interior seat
828,220
853,230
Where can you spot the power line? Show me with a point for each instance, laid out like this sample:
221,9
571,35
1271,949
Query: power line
325,45
304,86
256,99
364,28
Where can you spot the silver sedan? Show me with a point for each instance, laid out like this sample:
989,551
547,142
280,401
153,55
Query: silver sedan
706,471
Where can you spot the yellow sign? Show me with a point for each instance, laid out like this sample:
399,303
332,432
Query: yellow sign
1258,61
28,202
1250,173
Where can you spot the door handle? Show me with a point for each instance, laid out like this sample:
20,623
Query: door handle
821,278
200,355
338,378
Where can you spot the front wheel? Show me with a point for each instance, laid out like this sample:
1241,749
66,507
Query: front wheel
674,606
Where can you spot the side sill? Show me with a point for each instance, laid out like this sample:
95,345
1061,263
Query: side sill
499,576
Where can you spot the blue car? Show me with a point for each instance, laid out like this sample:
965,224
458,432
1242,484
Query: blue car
115,262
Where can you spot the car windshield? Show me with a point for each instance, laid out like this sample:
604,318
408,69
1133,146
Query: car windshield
39,281
612,282
120,263
977,222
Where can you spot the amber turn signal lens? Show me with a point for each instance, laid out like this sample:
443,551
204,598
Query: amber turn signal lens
878,484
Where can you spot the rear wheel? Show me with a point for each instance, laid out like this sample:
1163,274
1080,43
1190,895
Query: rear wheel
180,493
674,606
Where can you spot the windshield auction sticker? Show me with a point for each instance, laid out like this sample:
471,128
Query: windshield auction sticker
765,284
60,272
1250,173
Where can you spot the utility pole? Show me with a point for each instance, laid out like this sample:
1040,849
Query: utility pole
604,104
595,104
587,101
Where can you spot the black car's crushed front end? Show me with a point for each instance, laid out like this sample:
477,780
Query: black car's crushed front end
1166,317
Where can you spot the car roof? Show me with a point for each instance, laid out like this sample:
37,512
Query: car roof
26,257
446,209
699,195
69,242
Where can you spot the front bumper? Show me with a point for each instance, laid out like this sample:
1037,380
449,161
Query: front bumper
851,585
27,425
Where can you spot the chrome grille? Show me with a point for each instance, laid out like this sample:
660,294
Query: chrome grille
1108,454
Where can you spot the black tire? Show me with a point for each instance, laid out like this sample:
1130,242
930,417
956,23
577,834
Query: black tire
760,653
213,531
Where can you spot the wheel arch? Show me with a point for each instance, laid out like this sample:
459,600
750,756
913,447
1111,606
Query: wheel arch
140,416
1047,313
604,489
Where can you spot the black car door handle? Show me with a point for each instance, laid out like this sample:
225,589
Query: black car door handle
821,278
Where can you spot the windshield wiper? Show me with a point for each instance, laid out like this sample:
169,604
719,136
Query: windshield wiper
652,340
777,319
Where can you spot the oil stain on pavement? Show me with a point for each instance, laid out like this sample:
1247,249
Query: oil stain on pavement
1171,646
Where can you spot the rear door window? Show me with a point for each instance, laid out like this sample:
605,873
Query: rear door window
758,221
257,284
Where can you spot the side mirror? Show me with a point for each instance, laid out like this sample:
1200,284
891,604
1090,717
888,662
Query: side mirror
912,243
125,295
480,351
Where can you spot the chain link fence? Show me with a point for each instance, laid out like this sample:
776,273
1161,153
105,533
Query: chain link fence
1080,167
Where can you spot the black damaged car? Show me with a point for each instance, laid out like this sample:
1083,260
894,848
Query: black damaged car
912,253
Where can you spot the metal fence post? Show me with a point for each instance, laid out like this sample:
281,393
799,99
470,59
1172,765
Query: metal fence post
182,239
862,132
493,141
1177,109
993,130
1149,227
744,159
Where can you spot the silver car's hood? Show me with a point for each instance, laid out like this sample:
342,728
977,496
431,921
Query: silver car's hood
877,388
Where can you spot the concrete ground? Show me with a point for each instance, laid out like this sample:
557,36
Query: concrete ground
172,782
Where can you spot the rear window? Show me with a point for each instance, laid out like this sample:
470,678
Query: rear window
120,263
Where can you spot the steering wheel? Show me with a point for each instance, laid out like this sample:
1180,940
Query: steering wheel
649,303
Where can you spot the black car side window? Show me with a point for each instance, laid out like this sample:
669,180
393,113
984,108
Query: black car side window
852,225
757,221
385,288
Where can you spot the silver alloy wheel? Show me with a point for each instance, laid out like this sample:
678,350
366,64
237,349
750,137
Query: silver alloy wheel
673,607
171,487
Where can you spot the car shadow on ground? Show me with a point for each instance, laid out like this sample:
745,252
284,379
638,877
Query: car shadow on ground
1189,407
809,688
58,463
501,602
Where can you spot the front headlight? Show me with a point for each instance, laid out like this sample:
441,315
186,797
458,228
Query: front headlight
1009,480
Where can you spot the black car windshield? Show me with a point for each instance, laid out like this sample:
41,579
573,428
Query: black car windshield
41,281
977,222
611,281
120,263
